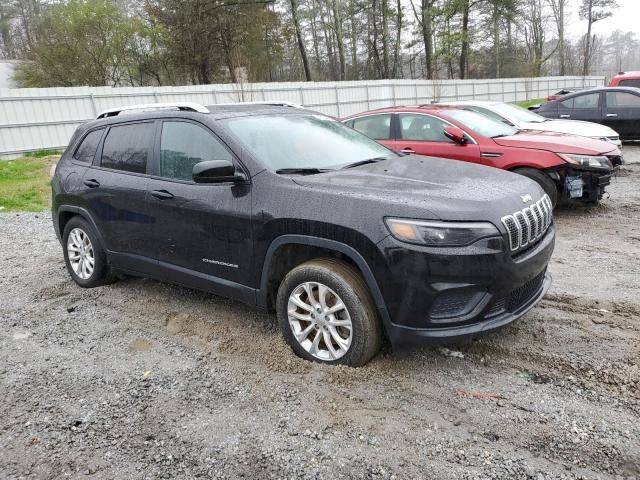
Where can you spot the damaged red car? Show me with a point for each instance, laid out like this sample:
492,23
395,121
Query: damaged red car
567,167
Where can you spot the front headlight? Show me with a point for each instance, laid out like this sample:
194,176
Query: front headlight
440,234
586,161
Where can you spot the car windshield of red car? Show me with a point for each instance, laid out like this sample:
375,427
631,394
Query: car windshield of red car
482,125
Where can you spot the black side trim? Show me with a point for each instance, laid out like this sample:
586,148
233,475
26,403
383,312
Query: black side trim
167,272
350,252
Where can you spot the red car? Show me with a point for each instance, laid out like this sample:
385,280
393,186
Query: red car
566,166
626,79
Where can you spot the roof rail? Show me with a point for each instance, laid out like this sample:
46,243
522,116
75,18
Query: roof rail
273,103
186,106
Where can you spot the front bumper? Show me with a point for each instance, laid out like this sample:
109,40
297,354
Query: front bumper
408,335
593,184
435,297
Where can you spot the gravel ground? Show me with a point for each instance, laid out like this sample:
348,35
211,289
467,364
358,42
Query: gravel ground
146,380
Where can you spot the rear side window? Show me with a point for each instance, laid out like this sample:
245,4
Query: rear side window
87,148
127,147
622,100
184,144
630,82
377,127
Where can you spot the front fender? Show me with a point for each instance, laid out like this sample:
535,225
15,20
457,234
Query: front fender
348,251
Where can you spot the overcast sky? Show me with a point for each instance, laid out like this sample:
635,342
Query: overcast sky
626,18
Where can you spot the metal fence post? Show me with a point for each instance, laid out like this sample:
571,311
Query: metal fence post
335,87
368,97
93,104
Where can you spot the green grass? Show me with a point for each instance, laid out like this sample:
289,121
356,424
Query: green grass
528,103
25,184
43,153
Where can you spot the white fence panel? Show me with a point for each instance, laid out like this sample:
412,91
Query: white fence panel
41,118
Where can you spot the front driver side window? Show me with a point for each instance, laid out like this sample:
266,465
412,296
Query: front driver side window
184,144
423,128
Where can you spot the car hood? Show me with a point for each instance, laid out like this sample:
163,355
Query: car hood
556,143
573,127
429,188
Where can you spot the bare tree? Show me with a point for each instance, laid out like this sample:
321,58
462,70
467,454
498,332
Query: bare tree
558,7
593,11
301,45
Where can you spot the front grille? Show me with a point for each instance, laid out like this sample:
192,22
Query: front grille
521,295
528,225
517,298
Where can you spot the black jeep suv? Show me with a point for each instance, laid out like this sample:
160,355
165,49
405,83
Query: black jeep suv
285,208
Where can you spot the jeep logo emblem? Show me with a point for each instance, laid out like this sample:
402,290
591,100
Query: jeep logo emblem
526,198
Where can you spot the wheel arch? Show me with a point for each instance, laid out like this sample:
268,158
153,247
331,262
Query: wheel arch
349,253
67,212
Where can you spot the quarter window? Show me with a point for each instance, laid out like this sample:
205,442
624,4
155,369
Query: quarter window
183,145
377,127
87,148
622,100
127,147
423,128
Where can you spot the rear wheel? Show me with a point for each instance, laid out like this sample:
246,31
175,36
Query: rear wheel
327,315
542,179
84,256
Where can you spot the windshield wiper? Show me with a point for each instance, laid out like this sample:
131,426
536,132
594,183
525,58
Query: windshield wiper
502,135
303,170
365,162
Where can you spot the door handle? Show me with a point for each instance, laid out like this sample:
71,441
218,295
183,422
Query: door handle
612,115
565,116
407,150
162,194
92,183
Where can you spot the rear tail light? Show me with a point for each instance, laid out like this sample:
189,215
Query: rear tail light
52,170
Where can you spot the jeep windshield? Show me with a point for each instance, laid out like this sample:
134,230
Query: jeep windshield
305,143
482,125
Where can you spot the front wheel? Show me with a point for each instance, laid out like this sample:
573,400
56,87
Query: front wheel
542,179
327,315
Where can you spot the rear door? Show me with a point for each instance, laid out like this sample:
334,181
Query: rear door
424,135
114,189
202,229
585,106
622,113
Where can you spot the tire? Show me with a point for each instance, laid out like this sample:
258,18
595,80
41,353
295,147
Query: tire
542,179
343,282
82,233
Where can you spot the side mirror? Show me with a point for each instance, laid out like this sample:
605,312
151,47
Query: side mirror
456,134
215,171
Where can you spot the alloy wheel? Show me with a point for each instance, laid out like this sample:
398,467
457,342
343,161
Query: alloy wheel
81,254
320,321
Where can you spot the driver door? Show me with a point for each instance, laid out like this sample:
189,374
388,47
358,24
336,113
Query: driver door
202,230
